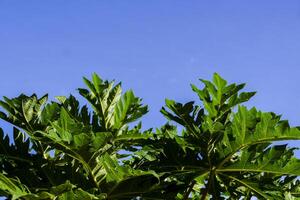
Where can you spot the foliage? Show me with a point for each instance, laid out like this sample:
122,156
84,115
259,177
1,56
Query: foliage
61,150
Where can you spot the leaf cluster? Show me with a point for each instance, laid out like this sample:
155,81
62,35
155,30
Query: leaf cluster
62,150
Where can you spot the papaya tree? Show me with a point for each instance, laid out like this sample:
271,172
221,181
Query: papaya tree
225,150
62,150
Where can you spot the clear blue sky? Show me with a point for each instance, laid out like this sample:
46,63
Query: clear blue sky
154,47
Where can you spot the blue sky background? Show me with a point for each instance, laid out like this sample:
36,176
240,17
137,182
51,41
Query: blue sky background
157,48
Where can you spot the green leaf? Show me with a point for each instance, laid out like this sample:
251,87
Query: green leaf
252,186
275,160
97,81
128,109
100,139
251,127
12,187
61,99
60,189
220,84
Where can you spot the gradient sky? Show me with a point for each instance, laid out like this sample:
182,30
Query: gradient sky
157,48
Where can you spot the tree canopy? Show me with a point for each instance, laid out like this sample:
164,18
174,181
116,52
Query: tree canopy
63,150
